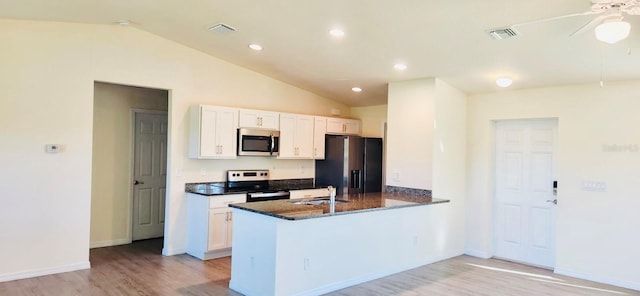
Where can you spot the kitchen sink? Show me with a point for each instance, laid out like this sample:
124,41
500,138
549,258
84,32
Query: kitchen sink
320,201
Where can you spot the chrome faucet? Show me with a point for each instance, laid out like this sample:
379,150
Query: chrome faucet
332,195
332,199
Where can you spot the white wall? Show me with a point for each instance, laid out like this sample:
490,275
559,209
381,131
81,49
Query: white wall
46,90
449,164
596,231
372,119
112,155
410,119
426,145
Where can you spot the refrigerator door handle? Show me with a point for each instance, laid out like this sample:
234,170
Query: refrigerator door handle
355,179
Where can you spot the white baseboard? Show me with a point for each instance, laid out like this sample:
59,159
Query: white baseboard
361,279
45,271
599,279
171,252
109,243
369,277
477,253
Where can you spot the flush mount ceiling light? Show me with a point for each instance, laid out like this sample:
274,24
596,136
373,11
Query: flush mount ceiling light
356,89
256,47
123,22
400,66
504,81
336,32
612,31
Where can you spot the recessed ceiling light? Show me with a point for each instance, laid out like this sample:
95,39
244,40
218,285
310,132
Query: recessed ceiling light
256,47
400,66
336,32
356,89
504,81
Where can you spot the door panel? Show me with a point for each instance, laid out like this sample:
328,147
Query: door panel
150,172
526,157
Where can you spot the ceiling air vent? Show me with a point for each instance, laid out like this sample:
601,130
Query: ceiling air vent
222,29
503,33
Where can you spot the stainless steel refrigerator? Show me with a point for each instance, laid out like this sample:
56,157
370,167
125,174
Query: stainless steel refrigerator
352,164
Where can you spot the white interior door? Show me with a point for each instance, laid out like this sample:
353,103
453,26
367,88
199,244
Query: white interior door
150,173
525,214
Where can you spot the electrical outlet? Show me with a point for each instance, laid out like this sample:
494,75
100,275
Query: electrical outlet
395,176
203,171
306,263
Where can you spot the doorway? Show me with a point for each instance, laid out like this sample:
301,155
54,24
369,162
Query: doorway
525,201
149,174
114,108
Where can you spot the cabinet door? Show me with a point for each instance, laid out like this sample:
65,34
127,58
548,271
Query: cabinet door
270,120
218,229
352,126
208,134
319,131
227,133
304,136
335,126
342,126
259,119
212,132
287,136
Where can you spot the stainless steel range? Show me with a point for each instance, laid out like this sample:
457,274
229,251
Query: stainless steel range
255,183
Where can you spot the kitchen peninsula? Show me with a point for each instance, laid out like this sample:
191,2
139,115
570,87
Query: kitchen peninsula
293,247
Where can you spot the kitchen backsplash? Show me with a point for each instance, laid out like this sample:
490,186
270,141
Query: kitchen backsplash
409,191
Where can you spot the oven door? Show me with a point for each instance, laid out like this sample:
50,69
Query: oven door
258,142
264,196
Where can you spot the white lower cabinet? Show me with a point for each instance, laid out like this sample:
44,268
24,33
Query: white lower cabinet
309,193
209,224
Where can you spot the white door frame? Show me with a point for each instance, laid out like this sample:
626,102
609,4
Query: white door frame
493,176
132,148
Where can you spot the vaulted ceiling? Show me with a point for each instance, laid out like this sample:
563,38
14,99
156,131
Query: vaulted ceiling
434,38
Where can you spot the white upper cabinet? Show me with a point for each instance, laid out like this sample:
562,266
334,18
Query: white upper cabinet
212,132
319,131
296,136
343,126
259,119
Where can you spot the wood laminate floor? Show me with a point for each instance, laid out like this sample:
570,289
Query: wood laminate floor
139,269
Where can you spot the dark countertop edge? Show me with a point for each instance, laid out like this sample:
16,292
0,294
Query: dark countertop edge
217,193
433,201
245,192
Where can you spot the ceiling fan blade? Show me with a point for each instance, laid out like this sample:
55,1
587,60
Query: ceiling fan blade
590,25
554,18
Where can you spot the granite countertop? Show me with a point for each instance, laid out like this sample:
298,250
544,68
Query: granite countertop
355,203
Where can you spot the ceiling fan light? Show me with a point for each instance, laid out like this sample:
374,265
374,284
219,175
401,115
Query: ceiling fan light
612,31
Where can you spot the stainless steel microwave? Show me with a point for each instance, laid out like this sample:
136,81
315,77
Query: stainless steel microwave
256,142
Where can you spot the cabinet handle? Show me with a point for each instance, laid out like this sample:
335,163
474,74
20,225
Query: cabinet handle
230,215
259,121
315,151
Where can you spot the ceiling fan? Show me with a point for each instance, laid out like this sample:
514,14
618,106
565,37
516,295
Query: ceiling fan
609,24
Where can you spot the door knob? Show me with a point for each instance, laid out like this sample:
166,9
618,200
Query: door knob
136,182
554,201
